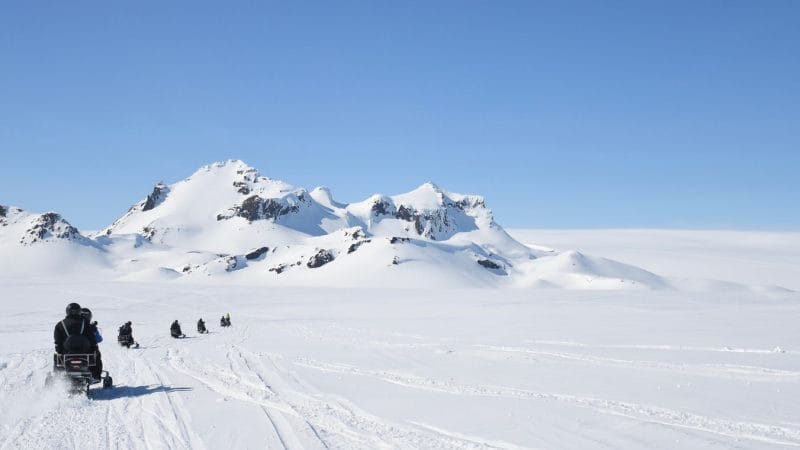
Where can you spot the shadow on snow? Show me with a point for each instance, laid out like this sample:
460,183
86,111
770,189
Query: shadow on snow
133,391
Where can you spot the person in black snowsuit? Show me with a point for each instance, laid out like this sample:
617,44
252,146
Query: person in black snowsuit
97,370
175,330
201,326
125,337
74,334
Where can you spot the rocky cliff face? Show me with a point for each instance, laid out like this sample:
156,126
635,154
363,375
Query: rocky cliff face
159,194
50,226
257,208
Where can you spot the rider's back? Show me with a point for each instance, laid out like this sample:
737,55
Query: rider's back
74,335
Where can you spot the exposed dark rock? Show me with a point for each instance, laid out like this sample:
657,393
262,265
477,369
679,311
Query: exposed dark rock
278,269
231,264
426,223
155,198
257,253
396,239
256,208
358,234
354,247
320,259
148,233
406,214
3,211
50,224
382,208
418,225
243,187
489,264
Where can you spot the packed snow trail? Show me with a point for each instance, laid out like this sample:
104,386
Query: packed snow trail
342,368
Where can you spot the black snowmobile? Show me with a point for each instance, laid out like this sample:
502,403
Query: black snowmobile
76,364
175,330
125,337
201,327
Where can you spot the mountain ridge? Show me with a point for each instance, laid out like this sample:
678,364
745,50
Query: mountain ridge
228,222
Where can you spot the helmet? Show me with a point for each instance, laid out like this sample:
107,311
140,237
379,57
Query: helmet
128,322
86,313
74,310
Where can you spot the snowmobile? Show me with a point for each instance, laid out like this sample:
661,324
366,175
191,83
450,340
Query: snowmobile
125,337
201,327
76,365
126,340
175,330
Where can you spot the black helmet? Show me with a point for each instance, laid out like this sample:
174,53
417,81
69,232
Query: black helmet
86,313
73,310
128,322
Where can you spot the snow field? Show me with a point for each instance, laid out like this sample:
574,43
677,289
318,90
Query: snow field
413,368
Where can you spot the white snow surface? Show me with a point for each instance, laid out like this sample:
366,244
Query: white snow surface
429,366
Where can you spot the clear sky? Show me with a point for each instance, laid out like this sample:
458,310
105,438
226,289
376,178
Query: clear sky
562,114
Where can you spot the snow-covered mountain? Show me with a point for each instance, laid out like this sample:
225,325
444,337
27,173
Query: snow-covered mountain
45,244
226,221
30,229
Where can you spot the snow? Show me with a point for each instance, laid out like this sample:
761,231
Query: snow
443,362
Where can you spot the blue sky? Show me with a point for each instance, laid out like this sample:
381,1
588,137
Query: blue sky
562,114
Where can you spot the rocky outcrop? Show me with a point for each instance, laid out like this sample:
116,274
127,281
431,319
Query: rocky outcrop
279,268
354,247
427,223
256,254
3,211
256,208
156,197
320,259
50,225
489,264
383,207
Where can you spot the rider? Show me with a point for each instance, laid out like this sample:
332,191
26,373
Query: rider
97,370
201,326
175,329
73,326
125,334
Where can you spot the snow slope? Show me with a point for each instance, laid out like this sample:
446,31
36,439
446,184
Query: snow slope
767,258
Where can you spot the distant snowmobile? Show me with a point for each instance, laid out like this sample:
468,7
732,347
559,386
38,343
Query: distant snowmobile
201,326
175,330
225,321
125,337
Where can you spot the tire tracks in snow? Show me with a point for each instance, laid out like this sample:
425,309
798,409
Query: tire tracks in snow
334,422
643,413
733,371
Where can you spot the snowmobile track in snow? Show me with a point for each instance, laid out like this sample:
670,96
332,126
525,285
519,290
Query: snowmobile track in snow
740,430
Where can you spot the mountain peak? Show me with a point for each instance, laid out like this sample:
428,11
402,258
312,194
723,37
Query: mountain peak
227,164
